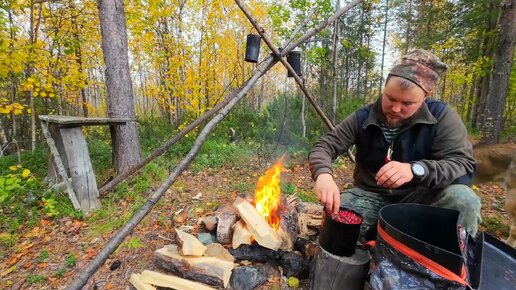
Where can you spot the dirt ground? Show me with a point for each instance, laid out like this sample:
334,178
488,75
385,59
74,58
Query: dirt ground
24,270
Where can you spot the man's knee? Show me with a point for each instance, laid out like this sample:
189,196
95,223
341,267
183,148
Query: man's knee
462,198
459,196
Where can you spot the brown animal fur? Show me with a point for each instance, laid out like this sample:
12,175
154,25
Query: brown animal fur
497,162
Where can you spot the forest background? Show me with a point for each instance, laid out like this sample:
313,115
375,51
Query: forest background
187,56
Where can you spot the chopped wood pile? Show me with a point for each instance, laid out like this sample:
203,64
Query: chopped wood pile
236,248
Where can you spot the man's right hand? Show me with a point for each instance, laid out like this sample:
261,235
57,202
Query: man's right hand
328,192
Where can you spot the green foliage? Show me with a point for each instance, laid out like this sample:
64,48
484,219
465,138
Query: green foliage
60,273
133,243
495,225
71,260
36,279
42,257
291,189
242,187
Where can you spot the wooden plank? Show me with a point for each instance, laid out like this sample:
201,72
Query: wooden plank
137,282
209,270
189,244
60,167
81,170
262,232
71,121
170,281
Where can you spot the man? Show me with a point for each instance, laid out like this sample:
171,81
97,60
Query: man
409,149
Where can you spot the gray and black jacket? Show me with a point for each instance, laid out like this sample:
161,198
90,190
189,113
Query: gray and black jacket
435,136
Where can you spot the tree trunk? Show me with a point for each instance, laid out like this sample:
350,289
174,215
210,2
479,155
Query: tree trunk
334,67
499,79
384,41
126,146
33,36
483,84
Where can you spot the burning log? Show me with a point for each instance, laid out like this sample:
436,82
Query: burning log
254,253
189,245
288,229
208,270
262,232
306,247
241,235
294,265
169,281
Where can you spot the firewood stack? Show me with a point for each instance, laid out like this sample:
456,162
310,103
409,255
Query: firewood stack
190,264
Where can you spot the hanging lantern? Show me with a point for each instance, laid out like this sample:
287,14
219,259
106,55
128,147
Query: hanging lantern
294,59
252,49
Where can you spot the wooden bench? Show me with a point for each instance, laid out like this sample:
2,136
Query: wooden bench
71,157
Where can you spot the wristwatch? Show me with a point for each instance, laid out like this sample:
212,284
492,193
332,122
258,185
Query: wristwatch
418,170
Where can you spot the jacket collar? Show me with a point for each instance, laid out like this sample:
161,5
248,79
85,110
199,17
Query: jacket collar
423,115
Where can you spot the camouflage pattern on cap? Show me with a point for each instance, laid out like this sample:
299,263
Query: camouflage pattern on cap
421,67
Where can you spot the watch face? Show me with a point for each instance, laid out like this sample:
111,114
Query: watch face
418,169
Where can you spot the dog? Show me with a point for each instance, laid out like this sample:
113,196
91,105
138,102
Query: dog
497,162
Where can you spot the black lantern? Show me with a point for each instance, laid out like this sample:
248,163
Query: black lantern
252,49
294,59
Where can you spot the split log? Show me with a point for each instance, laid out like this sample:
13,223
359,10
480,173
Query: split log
241,235
262,232
210,222
137,282
225,227
208,270
170,281
189,245
216,250
310,217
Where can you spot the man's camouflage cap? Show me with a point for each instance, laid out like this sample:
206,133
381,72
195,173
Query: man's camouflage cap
421,67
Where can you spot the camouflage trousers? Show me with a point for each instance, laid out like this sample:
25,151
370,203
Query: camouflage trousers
456,196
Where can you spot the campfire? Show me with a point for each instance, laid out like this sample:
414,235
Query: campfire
267,196
268,235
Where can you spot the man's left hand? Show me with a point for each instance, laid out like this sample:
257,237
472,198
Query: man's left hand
394,174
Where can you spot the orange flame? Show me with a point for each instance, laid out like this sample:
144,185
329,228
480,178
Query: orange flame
268,194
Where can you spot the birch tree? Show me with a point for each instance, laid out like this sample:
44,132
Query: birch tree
126,146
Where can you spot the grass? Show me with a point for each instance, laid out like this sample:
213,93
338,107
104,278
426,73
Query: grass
495,225
25,206
36,279
291,189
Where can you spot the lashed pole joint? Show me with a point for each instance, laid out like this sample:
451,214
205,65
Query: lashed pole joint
281,55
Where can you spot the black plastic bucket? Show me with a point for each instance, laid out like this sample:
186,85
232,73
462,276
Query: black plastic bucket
294,59
339,233
252,49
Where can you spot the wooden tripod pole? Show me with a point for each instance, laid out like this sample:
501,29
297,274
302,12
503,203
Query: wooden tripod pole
281,54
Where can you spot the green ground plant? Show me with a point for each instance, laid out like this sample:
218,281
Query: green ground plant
494,224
